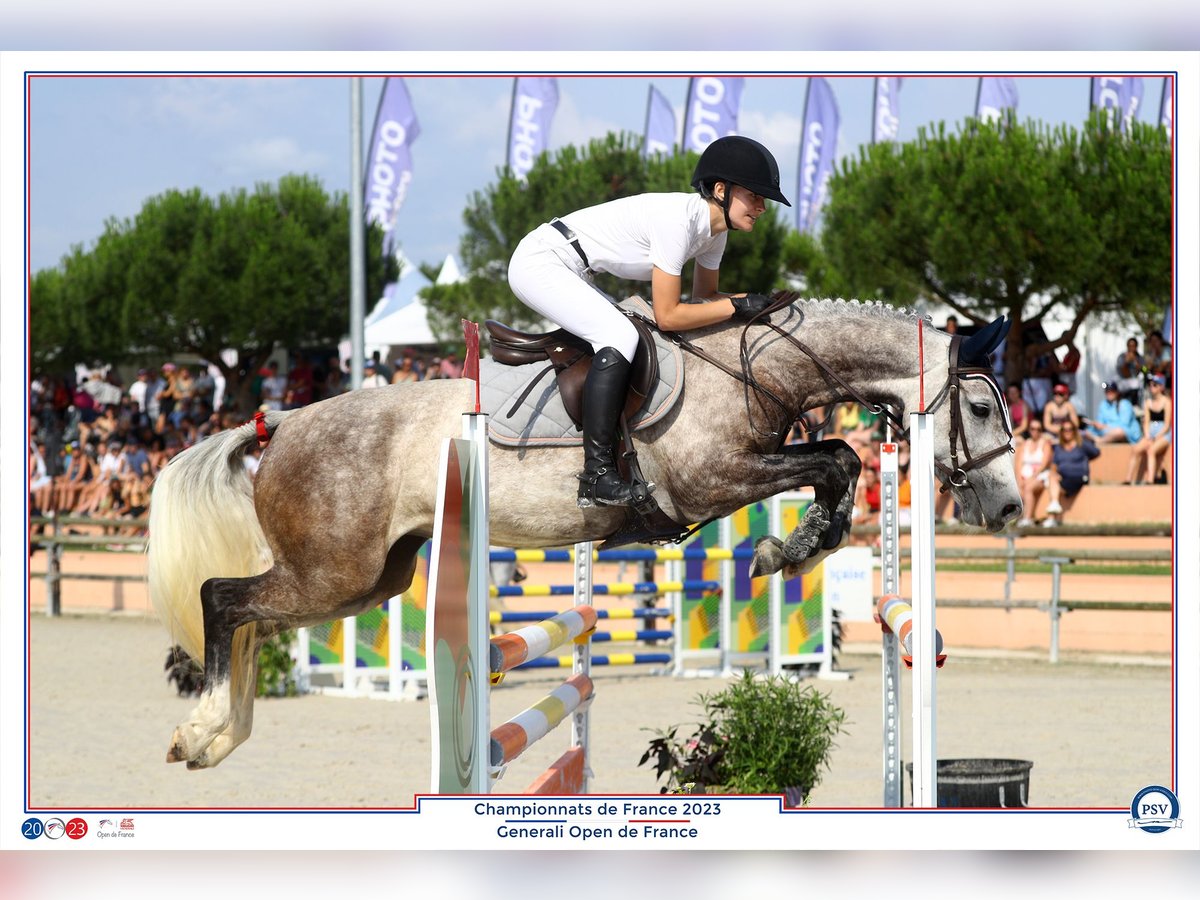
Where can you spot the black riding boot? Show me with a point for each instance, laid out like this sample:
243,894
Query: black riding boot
603,396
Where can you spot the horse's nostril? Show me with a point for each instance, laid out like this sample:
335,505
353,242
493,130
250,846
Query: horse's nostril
1011,511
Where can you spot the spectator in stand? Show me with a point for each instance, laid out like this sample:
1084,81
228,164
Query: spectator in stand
106,423
405,370
451,367
951,326
371,376
867,498
380,368
1069,368
154,387
1157,418
300,385
252,459
434,369
335,380
274,387
137,462
75,473
112,503
1129,372
85,403
1158,357
1034,457
185,389
138,391
204,391
137,502
1059,411
1041,371
1115,421
41,482
168,396
1071,470
1018,410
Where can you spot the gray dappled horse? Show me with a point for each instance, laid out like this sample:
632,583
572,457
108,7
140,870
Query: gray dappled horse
345,494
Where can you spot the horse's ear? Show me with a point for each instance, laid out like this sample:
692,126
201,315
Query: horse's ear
975,349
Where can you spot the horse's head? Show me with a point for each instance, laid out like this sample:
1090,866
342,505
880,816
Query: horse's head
973,433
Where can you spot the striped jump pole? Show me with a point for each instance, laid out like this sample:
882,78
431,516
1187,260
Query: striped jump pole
618,589
898,617
510,650
610,659
661,554
511,739
495,617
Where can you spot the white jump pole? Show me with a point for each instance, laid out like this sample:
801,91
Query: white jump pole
924,644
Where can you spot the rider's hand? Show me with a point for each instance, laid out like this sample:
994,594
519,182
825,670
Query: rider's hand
749,306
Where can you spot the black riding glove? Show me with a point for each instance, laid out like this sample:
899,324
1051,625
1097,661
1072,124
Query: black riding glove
749,306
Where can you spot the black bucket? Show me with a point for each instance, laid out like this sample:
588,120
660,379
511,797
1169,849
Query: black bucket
986,783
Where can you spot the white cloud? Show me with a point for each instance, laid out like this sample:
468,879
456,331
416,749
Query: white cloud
270,157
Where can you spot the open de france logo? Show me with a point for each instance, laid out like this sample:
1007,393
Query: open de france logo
1155,810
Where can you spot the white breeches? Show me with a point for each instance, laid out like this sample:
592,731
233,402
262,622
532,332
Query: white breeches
548,276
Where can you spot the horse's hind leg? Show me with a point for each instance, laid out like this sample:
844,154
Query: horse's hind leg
243,688
225,606
223,718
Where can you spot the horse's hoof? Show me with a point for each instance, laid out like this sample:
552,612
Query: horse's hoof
176,752
834,535
181,748
768,557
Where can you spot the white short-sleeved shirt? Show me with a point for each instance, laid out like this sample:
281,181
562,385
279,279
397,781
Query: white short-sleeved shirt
630,236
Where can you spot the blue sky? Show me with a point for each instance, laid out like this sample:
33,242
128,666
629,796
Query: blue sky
101,146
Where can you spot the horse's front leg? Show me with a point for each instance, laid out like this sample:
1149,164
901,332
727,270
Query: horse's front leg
831,468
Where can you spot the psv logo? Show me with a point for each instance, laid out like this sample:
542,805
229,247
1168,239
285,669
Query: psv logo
1155,809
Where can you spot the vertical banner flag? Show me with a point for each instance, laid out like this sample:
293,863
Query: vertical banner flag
711,110
389,158
885,126
1166,107
995,95
533,105
660,125
818,149
1117,94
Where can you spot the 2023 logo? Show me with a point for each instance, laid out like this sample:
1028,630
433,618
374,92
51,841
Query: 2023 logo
54,828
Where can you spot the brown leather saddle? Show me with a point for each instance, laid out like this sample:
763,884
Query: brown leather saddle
570,358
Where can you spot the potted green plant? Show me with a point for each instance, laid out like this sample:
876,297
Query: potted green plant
760,736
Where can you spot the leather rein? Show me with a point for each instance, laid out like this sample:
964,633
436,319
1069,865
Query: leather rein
955,473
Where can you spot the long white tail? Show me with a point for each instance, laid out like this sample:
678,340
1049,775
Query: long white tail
203,525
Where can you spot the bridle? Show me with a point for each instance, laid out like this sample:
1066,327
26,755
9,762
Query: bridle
951,391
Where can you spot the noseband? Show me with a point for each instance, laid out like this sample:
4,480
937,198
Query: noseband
956,472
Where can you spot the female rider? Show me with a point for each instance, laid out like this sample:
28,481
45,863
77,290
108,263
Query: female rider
647,237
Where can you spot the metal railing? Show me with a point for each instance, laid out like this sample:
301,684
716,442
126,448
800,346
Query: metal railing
55,542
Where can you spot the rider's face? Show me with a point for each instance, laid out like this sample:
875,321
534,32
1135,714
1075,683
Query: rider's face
745,207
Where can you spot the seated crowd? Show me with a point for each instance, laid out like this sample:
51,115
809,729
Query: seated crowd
96,445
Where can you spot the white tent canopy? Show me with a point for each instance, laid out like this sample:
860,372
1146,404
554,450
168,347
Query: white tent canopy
402,318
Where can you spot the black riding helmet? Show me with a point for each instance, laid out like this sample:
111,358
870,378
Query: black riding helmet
738,160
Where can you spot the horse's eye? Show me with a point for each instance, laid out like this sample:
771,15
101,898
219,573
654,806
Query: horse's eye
981,410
